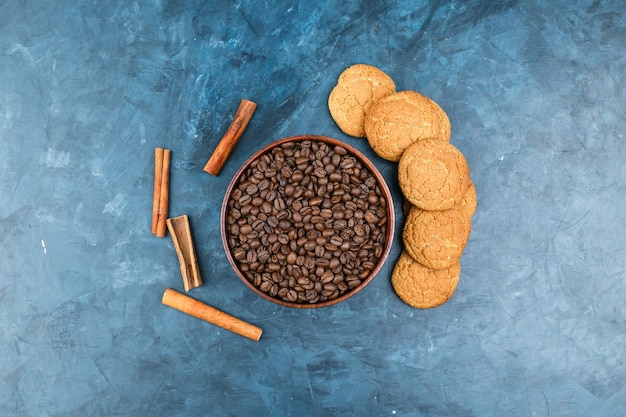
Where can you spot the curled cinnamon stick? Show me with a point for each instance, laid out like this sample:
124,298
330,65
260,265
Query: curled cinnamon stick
164,195
198,309
180,232
158,169
231,137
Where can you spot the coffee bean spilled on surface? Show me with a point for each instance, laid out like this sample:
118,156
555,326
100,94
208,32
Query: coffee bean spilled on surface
306,222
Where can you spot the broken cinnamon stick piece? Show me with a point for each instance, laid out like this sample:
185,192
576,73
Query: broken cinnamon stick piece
180,231
164,195
198,309
231,137
158,169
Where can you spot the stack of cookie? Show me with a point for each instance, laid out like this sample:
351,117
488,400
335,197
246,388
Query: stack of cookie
440,198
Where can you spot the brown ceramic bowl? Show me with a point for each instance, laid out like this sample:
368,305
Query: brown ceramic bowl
257,256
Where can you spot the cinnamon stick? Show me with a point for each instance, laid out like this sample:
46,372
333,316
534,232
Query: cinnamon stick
158,169
231,137
164,195
180,231
198,309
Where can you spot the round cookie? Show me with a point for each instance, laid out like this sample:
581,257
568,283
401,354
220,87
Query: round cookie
436,239
422,287
433,175
358,87
469,202
400,119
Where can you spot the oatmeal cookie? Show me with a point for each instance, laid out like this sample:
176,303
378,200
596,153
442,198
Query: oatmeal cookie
436,239
357,88
400,119
423,287
433,175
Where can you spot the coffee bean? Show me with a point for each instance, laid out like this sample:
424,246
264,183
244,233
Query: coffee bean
257,225
350,205
286,172
274,289
336,240
279,155
347,163
239,253
317,219
263,256
289,190
297,176
370,217
263,183
291,258
331,247
284,225
292,296
244,200
245,229
272,221
252,189
340,224
312,295
270,196
320,172
309,262
323,261
265,286
279,203
354,283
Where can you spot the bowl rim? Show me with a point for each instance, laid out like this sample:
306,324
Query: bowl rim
372,169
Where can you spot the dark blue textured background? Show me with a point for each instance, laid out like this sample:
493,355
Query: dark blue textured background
536,94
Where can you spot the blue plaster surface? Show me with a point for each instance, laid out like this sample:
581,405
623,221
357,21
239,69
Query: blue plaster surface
536,94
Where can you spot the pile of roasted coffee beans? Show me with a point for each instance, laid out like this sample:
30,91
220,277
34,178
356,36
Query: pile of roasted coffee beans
306,222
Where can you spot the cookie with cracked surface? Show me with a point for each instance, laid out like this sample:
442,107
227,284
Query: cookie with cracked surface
358,87
433,175
422,287
400,119
436,239
468,204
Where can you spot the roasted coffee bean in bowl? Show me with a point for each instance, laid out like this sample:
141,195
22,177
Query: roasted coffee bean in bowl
307,221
